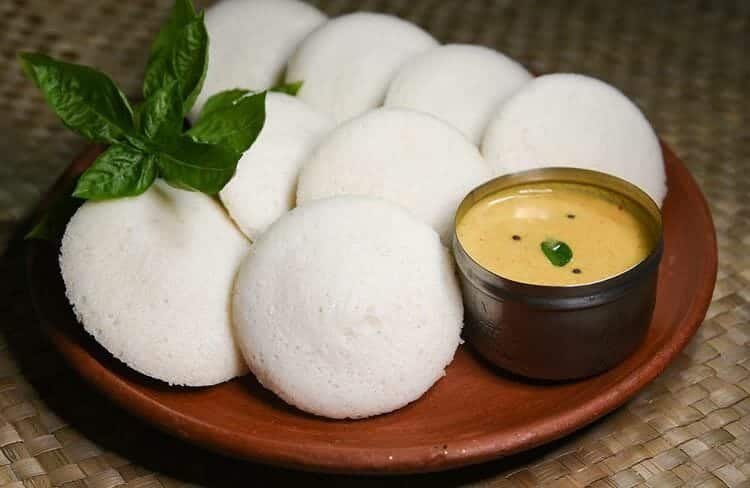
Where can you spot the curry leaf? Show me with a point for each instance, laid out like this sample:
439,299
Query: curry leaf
558,253
87,101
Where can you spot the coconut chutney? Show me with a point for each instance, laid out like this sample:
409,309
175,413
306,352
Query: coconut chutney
504,232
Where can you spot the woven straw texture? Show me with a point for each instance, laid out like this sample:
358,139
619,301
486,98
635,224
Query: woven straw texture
685,63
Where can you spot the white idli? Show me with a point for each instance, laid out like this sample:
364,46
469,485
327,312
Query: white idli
347,64
348,307
458,83
404,156
264,185
150,277
574,120
251,41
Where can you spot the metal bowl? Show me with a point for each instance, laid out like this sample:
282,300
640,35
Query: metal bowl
559,332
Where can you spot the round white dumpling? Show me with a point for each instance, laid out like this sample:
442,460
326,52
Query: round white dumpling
458,83
404,156
574,120
263,187
348,63
150,277
348,307
251,41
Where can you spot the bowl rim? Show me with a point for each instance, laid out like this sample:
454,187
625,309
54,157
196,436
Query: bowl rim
560,296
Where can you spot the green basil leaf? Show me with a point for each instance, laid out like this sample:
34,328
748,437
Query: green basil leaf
222,100
51,225
558,253
160,116
289,88
86,100
182,14
235,126
183,58
120,171
190,62
195,166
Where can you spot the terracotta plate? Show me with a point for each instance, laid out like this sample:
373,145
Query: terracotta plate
472,415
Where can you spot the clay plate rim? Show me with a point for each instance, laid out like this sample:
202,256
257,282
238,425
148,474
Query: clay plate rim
129,389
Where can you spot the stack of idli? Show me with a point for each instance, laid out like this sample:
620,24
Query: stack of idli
346,306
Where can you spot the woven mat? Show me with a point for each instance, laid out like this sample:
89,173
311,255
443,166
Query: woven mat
685,63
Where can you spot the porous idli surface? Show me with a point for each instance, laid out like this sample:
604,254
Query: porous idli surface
348,63
251,41
264,185
574,120
407,157
348,307
458,83
150,277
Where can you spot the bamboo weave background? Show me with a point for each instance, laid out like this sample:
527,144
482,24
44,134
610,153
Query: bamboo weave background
685,63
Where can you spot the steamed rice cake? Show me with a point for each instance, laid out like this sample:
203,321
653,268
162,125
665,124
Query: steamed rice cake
251,41
348,307
458,83
264,185
404,156
347,64
150,277
574,120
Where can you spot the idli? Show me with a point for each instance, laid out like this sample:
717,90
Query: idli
251,41
458,83
348,307
404,156
264,185
574,120
150,277
348,63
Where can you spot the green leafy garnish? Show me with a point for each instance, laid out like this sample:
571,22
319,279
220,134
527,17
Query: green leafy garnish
179,54
235,125
87,101
160,117
558,253
195,166
222,100
147,141
120,171
288,88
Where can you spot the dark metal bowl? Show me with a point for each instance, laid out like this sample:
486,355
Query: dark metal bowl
559,332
